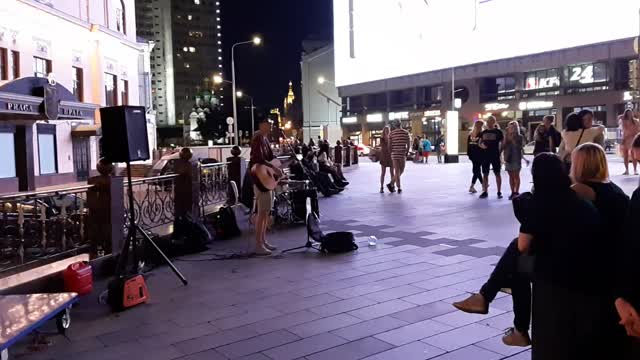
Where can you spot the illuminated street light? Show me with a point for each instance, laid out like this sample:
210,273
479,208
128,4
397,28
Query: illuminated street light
239,94
321,80
217,79
256,41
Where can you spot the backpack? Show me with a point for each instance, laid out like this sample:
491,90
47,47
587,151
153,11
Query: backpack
338,242
224,223
189,236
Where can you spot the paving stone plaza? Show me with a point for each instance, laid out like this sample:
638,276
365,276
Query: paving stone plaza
436,243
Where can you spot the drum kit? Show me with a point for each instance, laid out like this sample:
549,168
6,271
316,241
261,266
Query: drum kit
290,201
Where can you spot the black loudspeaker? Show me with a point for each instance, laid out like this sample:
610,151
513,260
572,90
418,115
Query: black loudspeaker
124,133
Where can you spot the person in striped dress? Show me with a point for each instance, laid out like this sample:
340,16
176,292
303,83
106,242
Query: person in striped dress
400,145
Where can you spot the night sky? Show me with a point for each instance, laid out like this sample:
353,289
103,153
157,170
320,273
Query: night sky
264,72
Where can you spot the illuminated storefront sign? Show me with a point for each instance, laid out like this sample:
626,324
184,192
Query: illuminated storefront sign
495,106
535,105
398,115
350,120
588,74
432,113
374,118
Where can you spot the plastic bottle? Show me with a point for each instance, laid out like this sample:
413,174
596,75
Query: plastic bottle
373,241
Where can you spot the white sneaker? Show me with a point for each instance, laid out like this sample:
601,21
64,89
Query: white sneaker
270,247
262,251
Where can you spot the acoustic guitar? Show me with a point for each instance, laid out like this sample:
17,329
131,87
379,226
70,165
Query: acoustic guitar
265,177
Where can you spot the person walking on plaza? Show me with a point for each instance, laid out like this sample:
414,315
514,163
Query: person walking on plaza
417,149
439,147
400,145
513,156
426,149
385,160
630,128
261,154
547,138
476,154
491,141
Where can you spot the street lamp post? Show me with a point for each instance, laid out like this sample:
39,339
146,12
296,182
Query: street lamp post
255,41
240,94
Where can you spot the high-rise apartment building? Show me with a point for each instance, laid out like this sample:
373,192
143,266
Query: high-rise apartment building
186,56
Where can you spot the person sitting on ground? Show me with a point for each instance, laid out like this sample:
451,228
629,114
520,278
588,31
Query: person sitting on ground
627,290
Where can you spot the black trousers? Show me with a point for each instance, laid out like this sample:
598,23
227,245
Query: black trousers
506,275
477,171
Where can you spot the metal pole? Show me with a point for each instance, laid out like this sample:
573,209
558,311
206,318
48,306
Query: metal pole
233,94
253,123
453,89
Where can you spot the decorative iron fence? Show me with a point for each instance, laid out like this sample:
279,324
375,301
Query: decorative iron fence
36,227
153,201
214,185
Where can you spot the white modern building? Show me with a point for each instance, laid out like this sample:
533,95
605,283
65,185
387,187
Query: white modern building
321,102
438,66
60,60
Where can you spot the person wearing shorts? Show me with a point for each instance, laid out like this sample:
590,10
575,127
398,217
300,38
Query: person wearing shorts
426,149
261,154
491,140
400,145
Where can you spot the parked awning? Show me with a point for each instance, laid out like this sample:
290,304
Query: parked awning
86,131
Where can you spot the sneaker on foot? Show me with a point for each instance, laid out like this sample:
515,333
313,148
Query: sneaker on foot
514,337
472,190
381,191
625,173
499,195
399,191
484,195
474,304
270,247
391,188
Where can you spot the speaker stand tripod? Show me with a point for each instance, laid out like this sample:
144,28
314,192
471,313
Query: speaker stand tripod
132,238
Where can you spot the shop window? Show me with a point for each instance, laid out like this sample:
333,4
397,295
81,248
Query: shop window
542,79
41,67
501,88
78,83
124,92
15,64
377,101
110,90
355,103
402,97
47,152
7,149
4,64
621,74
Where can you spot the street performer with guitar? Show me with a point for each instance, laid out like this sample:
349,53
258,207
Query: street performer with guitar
265,173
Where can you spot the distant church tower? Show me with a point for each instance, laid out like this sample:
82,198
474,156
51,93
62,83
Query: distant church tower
288,101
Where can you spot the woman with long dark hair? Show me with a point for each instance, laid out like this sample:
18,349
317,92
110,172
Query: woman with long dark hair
571,297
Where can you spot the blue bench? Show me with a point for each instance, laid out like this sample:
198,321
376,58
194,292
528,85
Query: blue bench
20,315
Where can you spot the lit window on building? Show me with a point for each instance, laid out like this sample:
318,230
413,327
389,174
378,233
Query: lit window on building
41,67
197,2
110,90
189,17
78,83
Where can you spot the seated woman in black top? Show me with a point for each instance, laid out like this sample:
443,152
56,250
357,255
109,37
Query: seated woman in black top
571,306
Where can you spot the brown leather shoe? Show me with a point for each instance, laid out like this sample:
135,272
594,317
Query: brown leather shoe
514,337
474,304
